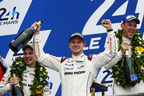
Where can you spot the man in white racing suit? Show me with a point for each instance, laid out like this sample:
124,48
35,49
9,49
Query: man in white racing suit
129,38
28,75
77,73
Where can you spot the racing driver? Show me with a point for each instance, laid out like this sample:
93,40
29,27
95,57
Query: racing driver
77,73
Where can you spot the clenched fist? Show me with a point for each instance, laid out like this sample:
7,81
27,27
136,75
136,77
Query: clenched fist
106,24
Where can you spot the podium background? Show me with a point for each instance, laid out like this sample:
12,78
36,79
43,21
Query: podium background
61,19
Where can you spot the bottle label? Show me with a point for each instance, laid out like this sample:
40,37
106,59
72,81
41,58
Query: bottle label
134,77
127,56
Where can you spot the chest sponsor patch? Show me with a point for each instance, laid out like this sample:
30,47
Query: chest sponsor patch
76,72
68,68
71,64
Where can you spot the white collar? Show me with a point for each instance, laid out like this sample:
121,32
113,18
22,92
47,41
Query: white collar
78,57
28,69
126,40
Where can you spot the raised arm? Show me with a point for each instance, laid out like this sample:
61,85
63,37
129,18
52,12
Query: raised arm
44,59
111,47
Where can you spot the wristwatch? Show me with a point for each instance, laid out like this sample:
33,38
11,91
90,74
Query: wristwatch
109,30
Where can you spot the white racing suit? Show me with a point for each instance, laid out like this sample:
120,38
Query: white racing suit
76,73
28,77
118,90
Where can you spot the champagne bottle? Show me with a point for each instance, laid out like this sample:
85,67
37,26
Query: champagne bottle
130,73
23,38
16,89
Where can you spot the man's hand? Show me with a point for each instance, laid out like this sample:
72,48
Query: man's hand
124,47
106,24
14,81
37,27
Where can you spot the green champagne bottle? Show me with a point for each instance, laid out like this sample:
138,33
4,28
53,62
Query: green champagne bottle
16,89
130,73
23,38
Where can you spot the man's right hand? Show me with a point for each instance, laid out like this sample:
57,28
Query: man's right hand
14,81
124,47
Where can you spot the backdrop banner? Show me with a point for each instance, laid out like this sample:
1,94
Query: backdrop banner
61,18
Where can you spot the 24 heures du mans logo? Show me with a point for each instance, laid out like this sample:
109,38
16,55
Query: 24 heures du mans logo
8,17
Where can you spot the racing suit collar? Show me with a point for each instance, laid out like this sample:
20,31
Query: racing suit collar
28,69
126,40
78,58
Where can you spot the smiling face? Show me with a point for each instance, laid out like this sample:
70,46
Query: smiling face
29,57
76,45
129,29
